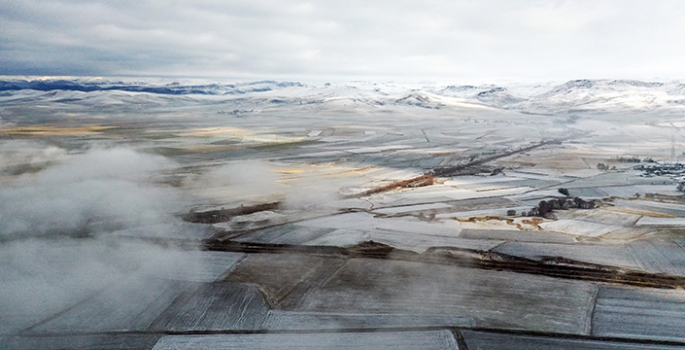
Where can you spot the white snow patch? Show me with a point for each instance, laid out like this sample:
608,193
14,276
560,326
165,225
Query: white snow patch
411,208
579,228
652,221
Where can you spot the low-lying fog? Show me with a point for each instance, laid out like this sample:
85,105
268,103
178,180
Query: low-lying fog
58,226
77,221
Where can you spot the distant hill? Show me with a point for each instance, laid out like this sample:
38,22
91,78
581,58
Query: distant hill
574,96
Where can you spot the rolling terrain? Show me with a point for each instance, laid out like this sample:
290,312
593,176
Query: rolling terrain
171,215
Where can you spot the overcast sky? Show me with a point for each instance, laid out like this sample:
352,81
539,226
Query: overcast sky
398,40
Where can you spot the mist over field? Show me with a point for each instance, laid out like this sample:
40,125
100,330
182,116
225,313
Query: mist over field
99,187
164,209
387,175
57,224
63,219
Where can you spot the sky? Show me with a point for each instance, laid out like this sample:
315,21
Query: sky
389,40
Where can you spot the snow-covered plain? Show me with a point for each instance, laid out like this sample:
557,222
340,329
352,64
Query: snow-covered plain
100,180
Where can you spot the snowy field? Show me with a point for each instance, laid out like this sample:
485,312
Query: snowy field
137,214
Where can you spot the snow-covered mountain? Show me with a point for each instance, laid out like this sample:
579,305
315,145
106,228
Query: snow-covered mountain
571,97
576,96
174,88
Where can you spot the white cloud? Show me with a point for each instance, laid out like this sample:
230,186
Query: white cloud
107,186
455,40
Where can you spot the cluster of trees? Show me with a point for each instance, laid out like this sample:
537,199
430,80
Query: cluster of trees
634,160
602,166
681,186
545,208
236,111
628,159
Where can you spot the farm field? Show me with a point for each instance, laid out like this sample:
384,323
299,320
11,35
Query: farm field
305,216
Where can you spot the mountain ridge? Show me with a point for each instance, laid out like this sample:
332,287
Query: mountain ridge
569,97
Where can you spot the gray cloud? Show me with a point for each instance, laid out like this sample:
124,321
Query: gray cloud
70,230
88,191
438,40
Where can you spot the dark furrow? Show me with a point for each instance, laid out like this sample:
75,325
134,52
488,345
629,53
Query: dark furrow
552,267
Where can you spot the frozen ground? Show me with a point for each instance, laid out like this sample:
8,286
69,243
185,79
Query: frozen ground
268,215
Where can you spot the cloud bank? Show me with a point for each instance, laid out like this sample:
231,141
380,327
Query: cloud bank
81,223
101,189
437,40
58,241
